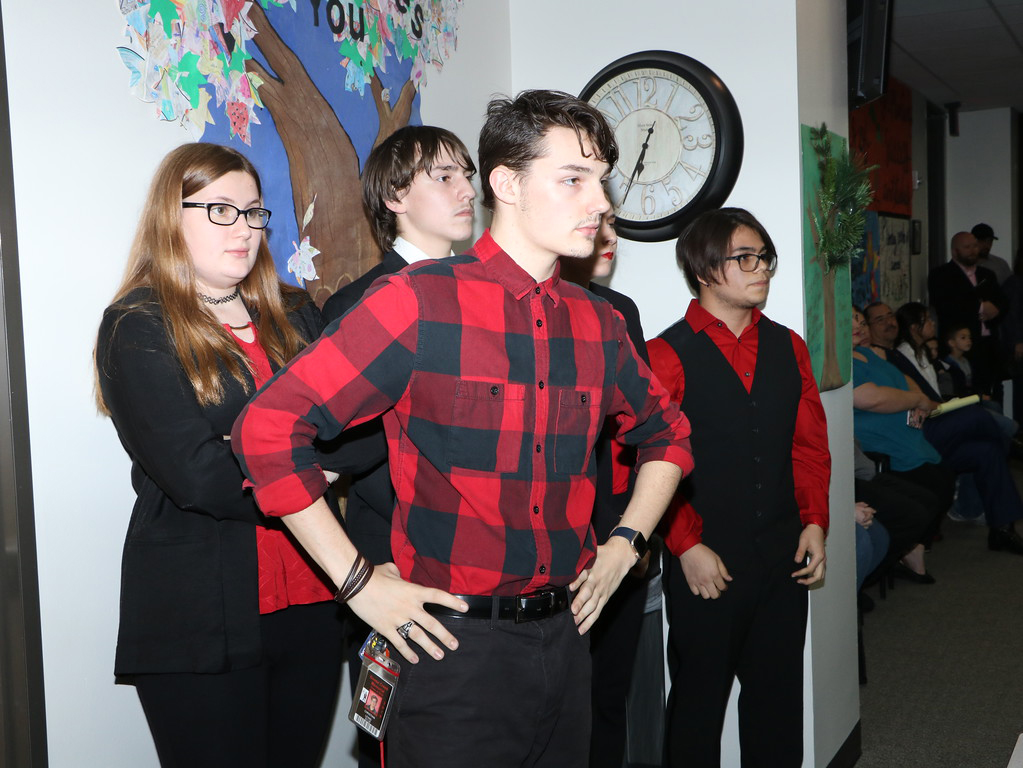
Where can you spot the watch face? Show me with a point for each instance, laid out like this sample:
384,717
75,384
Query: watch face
679,136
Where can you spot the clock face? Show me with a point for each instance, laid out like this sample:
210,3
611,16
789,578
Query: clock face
679,137
666,140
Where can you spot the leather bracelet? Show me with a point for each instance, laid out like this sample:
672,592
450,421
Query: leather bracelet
357,578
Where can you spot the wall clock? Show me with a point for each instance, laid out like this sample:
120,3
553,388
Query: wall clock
680,140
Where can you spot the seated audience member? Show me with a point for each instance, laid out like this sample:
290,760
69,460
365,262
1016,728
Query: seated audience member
910,512
872,542
882,326
941,369
959,341
887,415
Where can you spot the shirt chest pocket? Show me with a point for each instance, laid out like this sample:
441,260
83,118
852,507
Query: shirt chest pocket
486,427
578,423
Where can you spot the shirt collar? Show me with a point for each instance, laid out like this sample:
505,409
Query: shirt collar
971,272
411,253
699,318
505,271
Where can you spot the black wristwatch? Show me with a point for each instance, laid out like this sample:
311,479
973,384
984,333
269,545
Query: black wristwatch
635,538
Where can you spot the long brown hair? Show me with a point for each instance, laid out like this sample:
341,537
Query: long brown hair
160,260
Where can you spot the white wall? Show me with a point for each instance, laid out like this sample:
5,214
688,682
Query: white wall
981,173
831,638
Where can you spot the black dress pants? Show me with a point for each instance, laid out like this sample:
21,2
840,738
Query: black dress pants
511,696
275,715
754,632
613,644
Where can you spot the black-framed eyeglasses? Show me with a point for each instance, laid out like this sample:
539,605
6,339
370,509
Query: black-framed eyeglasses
226,214
748,261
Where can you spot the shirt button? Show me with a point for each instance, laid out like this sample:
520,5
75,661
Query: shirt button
538,447
753,403
582,398
539,323
747,373
540,385
536,510
494,390
543,569
757,486
756,459
758,513
719,325
756,430
537,289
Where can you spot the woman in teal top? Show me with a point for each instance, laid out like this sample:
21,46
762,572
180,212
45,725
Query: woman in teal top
883,405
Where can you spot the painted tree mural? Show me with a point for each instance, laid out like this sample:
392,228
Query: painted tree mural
307,87
836,191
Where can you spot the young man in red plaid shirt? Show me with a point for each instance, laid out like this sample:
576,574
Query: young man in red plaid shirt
494,377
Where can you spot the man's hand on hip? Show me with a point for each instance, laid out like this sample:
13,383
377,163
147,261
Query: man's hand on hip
594,586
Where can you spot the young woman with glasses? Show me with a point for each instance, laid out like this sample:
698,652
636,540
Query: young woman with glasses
229,635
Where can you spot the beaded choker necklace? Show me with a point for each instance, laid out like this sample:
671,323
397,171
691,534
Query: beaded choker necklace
222,300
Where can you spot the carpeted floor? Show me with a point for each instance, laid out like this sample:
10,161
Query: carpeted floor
945,661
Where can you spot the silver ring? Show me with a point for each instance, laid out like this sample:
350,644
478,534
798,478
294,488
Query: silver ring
405,628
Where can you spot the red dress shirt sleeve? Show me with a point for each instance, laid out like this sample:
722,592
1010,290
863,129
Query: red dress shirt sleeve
811,457
681,526
340,379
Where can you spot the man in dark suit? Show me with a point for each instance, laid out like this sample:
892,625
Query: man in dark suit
962,292
417,191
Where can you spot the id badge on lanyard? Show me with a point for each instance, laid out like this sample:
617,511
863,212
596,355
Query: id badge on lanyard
378,680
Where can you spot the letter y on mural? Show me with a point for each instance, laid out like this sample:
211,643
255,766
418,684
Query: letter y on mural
306,88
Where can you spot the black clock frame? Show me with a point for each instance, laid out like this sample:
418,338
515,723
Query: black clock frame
727,154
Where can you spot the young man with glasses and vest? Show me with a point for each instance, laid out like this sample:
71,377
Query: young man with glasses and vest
747,528
494,378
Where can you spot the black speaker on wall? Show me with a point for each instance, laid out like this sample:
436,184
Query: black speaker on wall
869,39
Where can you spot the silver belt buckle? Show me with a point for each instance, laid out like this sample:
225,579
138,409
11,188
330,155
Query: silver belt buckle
535,599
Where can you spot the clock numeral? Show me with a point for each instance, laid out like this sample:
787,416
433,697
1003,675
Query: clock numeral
646,92
648,200
676,195
692,143
671,98
621,101
692,170
695,113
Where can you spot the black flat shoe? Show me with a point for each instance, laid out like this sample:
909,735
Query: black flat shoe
903,571
999,539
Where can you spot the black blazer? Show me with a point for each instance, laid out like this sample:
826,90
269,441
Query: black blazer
189,591
370,495
609,507
957,300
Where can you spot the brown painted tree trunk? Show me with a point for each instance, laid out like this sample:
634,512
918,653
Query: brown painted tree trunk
322,160
831,375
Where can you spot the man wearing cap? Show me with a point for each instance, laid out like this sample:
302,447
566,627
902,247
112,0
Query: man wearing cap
985,239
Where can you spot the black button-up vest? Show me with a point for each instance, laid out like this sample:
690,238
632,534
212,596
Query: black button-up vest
742,486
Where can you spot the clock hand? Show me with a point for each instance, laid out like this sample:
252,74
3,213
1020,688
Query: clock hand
639,163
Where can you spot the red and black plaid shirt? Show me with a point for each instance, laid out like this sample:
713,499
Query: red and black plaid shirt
495,388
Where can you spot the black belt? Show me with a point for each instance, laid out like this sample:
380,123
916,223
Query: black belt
519,608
